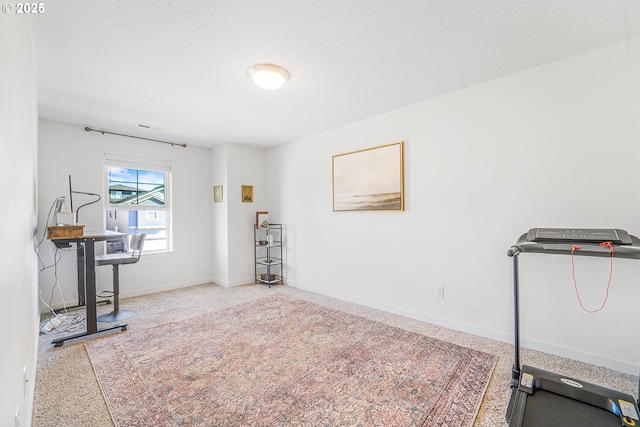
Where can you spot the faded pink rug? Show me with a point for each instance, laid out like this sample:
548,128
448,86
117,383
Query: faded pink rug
282,361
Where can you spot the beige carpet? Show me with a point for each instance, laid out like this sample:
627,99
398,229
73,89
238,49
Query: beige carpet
68,394
283,361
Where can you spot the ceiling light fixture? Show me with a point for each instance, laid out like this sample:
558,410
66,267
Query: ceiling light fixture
268,76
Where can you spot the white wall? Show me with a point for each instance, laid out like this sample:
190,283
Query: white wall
553,146
233,219
18,174
246,167
67,149
220,218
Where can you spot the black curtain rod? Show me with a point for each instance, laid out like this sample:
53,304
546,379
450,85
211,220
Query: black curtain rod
88,129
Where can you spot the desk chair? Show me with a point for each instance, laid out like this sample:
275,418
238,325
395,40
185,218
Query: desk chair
115,260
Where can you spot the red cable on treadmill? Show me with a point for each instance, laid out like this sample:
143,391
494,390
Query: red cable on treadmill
575,284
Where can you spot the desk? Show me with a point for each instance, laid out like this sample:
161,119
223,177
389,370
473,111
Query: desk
87,278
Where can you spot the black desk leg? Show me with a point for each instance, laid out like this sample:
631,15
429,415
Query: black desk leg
90,286
80,261
89,279
81,292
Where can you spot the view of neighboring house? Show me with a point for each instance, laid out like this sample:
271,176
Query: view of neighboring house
134,200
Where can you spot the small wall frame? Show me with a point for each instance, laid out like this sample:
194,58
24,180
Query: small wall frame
262,219
217,193
247,193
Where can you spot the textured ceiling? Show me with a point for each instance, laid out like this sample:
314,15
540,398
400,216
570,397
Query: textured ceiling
182,65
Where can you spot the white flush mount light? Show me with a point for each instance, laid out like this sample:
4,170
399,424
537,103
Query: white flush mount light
268,76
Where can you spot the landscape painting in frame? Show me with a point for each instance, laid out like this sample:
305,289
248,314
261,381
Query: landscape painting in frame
369,179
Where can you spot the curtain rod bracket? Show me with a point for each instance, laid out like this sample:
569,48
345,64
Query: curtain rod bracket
88,129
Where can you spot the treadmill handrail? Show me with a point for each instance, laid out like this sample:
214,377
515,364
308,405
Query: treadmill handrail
586,249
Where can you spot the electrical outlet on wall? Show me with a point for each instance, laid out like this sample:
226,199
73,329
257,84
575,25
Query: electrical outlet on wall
439,291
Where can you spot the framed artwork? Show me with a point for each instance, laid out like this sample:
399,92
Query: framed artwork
217,193
262,219
371,179
247,193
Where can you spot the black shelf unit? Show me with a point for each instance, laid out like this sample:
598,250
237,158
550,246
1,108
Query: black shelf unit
268,254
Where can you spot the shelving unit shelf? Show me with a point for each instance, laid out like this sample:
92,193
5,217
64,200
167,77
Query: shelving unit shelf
268,254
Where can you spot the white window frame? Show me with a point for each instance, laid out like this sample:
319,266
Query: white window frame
129,162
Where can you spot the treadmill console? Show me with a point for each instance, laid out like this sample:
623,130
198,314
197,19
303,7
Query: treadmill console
579,235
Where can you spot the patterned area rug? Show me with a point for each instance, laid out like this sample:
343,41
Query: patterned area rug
282,361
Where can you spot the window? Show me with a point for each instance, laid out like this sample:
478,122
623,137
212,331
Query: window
138,199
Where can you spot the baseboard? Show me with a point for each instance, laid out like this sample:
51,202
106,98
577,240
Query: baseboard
167,287
440,321
616,364
151,290
135,293
235,283
619,365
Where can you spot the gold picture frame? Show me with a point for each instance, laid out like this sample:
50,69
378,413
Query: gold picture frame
371,179
217,193
247,193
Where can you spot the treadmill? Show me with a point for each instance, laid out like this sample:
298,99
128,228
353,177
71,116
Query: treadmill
543,398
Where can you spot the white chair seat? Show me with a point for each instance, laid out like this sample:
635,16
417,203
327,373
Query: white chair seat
118,258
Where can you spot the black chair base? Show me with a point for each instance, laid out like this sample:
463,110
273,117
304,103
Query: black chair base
116,316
